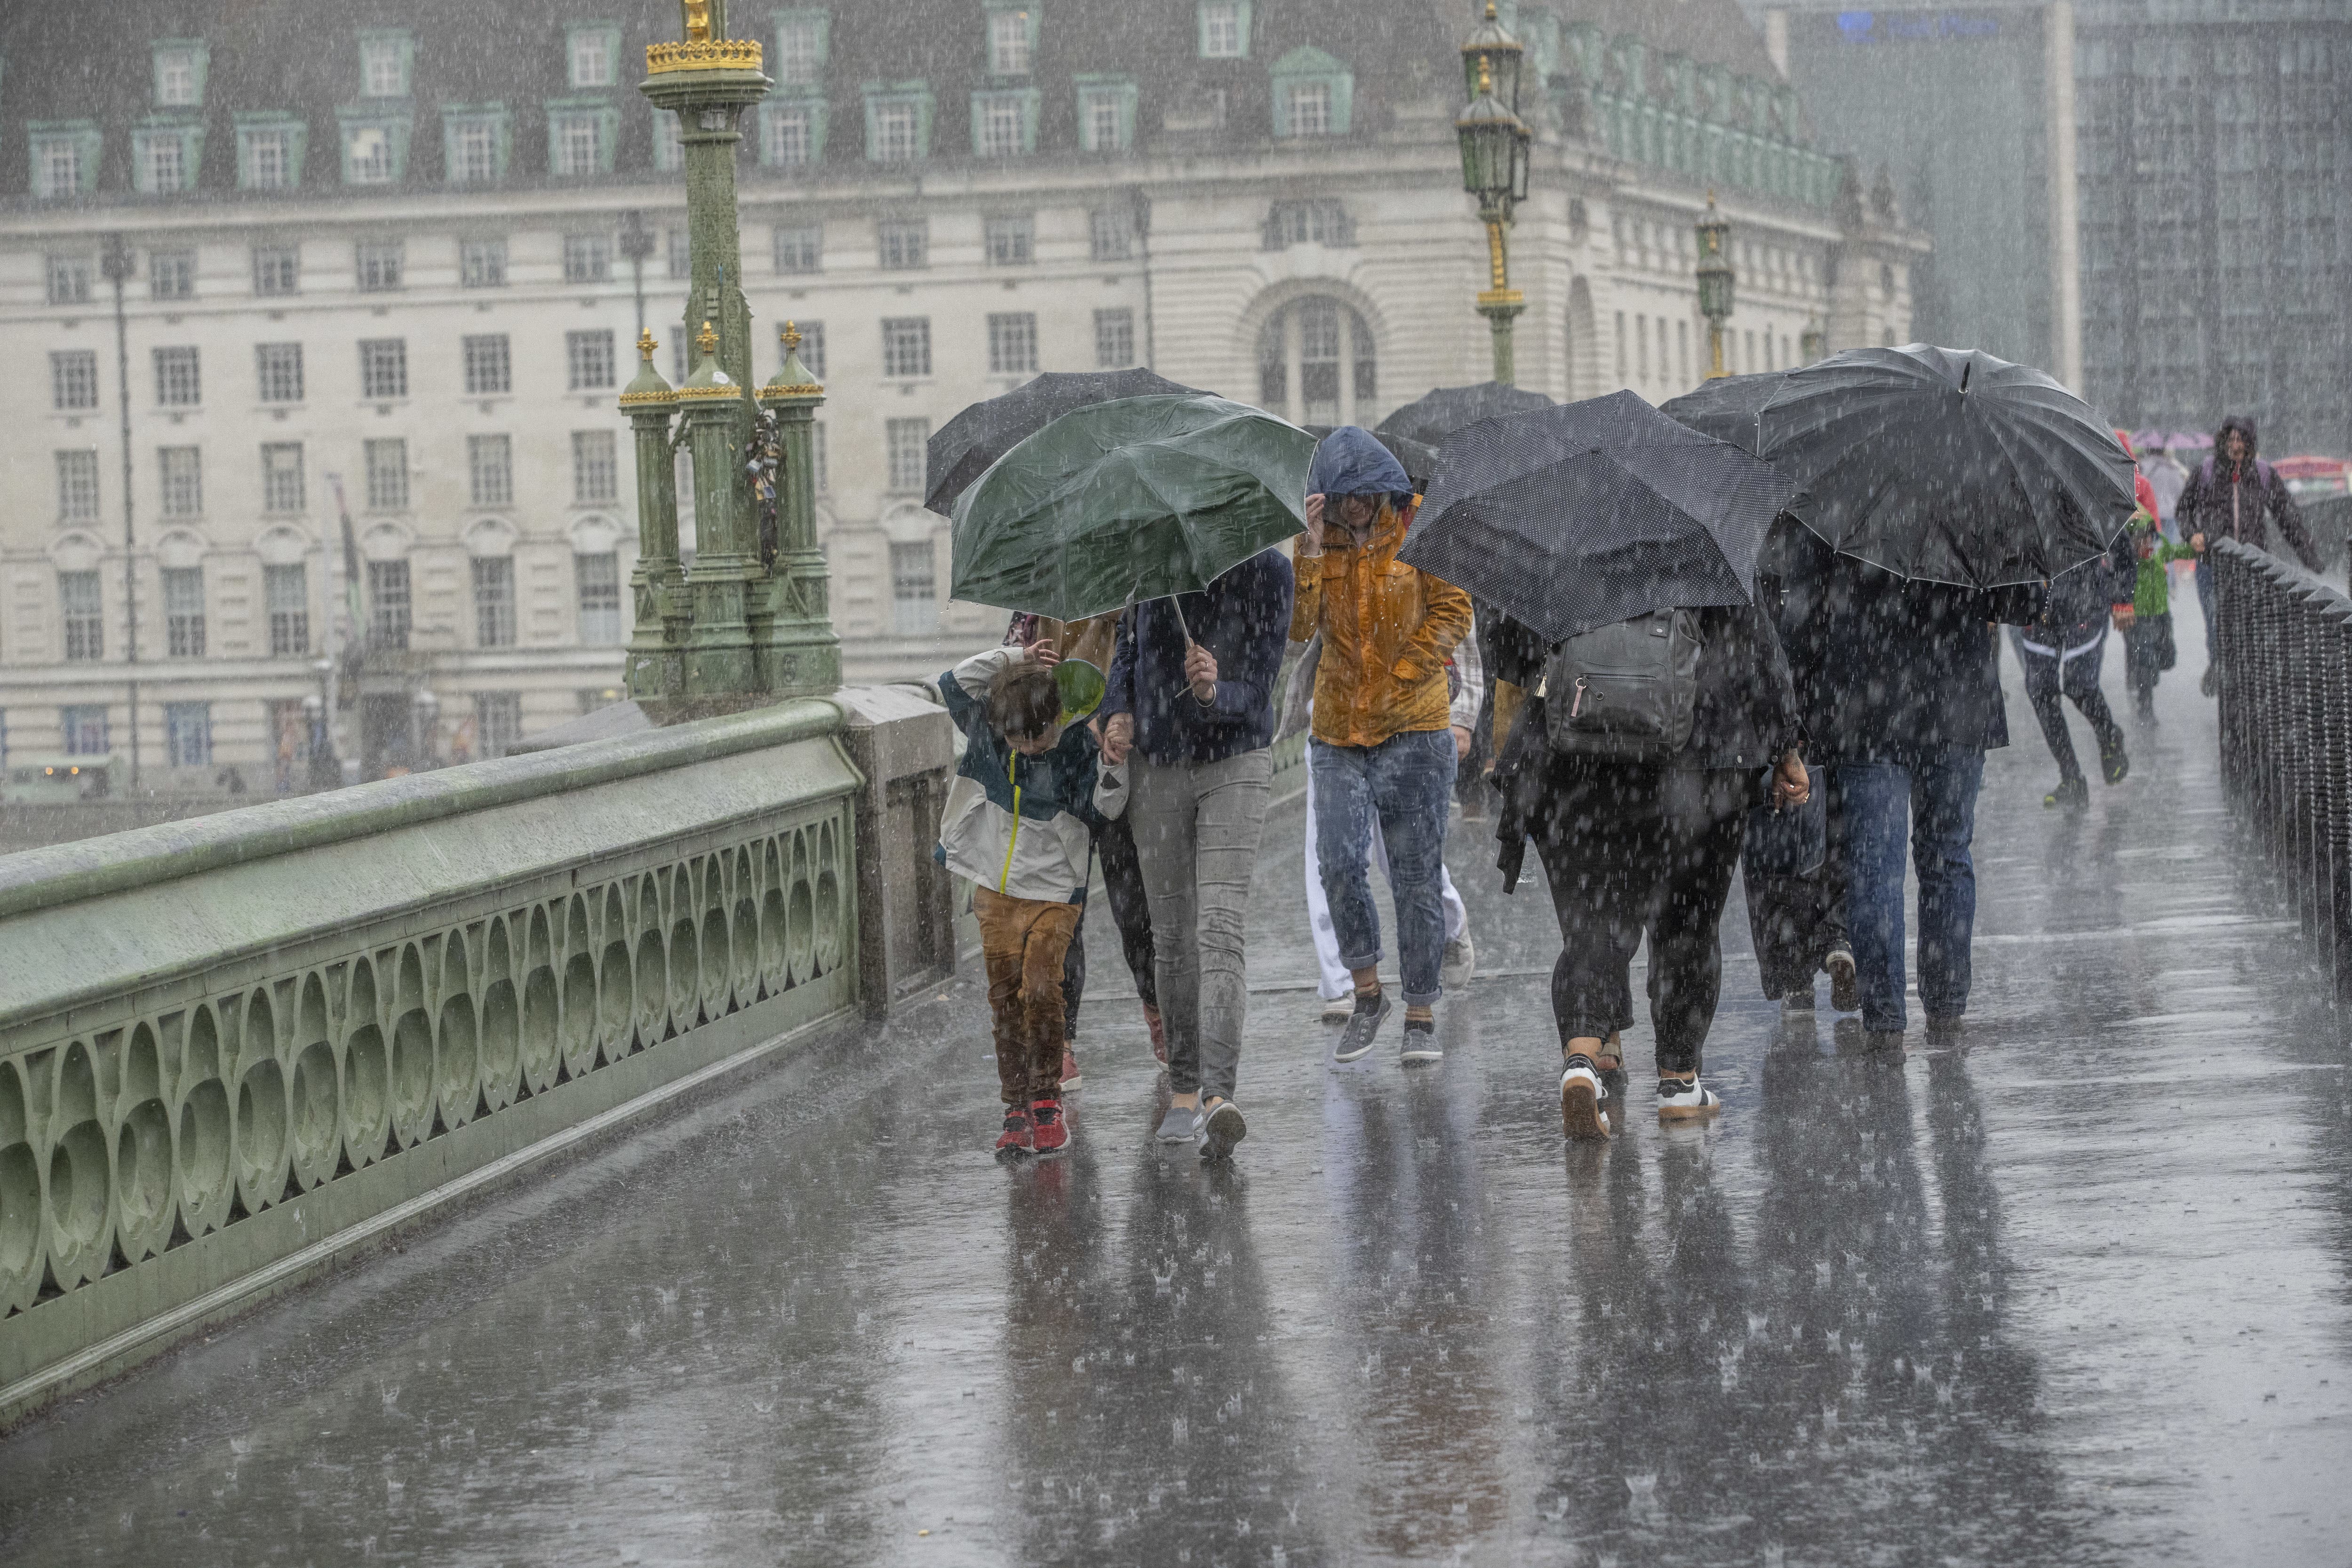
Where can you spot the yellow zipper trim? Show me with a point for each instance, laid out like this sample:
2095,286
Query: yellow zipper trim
1011,762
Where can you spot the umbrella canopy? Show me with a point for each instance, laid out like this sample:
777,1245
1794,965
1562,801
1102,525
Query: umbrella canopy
1436,415
1594,512
959,451
1419,457
1725,407
1139,498
1944,464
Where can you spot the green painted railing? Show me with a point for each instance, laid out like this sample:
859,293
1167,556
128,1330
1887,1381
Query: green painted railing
234,1047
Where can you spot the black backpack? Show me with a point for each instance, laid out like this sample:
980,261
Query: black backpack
1627,691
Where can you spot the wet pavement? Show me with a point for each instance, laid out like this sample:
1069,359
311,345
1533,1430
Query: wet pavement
2075,1292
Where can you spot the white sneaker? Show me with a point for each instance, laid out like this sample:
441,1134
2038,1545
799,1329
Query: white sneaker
1460,962
1339,1010
1579,1101
1686,1101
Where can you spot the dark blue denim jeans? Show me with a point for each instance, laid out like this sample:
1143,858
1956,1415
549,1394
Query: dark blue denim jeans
1936,801
1408,780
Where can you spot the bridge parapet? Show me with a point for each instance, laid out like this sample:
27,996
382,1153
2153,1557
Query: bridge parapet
232,1049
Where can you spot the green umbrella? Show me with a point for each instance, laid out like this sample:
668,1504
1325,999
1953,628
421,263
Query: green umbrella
1138,498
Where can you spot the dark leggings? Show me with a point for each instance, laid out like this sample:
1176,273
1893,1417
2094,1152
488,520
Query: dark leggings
1631,850
1123,888
2074,676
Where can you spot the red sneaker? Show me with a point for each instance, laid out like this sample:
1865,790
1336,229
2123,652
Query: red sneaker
1052,1129
1019,1137
1158,1034
1070,1079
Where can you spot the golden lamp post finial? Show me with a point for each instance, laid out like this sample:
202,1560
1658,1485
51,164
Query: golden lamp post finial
646,345
1490,10
792,336
706,340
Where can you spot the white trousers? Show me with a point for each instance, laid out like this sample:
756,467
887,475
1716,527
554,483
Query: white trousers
1336,981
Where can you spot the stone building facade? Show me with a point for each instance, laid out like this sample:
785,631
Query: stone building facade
388,261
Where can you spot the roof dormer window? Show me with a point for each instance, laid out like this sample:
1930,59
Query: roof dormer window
594,55
179,74
1012,41
385,60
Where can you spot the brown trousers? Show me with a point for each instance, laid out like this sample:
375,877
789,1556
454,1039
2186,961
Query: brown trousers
1023,941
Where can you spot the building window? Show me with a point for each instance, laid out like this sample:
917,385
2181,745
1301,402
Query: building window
282,488
802,44
188,734
85,615
575,143
63,163
265,156
369,155
681,253
1003,124
497,722
179,378
1011,240
277,269
84,724
800,249
1114,339
489,368
914,588
905,441
278,367
595,469
184,612
792,132
669,142
384,368
387,475
1317,364
905,242
1312,94
898,128
812,348
473,150
489,470
1224,29
68,279
388,604
171,273
179,83
482,264
1012,42
1309,111
595,51
285,592
180,471
598,579
76,487
907,346
494,601
160,161
384,65
1318,222
73,379
587,258
1111,234
380,264
1105,115
588,356
1012,344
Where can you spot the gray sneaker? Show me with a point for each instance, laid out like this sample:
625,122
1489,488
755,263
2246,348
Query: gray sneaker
1356,1038
1181,1126
1224,1129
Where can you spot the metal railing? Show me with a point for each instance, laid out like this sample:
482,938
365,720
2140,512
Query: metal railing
2285,654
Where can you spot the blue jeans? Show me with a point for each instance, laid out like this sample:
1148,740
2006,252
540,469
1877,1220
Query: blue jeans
1408,781
2205,602
1940,800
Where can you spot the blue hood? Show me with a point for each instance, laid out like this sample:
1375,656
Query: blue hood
1351,461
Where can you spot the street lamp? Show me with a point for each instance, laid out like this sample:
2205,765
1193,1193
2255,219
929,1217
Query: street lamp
1715,279
1495,154
325,773
428,709
636,246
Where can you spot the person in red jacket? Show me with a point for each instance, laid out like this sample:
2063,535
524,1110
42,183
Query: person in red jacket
2232,496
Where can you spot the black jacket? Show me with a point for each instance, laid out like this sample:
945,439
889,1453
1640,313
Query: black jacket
2223,502
2079,601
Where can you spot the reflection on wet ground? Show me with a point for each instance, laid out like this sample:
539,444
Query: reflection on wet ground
2075,1293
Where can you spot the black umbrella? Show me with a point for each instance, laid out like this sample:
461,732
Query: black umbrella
1945,465
961,450
1419,458
1594,512
1725,407
1436,415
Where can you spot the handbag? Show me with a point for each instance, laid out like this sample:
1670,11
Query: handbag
1790,841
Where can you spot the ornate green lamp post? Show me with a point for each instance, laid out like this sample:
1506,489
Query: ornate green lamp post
1715,279
656,585
1495,152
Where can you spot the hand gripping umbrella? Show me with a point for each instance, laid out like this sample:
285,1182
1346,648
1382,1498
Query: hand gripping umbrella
1144,497
960,450
1594,512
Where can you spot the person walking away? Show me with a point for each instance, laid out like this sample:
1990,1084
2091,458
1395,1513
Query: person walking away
2062,654
1382,730
1636,849
2148,647
2234,495
1191,698
1899,685
1018,823
1333,984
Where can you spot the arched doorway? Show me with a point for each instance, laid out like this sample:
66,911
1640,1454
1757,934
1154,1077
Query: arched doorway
1317,364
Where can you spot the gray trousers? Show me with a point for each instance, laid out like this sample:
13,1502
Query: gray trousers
1196,833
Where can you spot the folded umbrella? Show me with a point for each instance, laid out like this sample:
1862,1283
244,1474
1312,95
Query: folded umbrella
959,451
1438,414
1139,498
1591,513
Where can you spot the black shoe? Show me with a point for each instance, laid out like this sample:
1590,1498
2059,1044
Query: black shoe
1845,985
2074,794
2114,762
2211,683
1223,1129
1946,1028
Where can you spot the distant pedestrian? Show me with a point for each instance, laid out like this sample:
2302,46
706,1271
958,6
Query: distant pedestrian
1191,699
2234,495
1018,823
1638,849
1384,748
2062,654
2148,647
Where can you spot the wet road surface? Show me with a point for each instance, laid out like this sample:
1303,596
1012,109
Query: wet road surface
2076,1292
